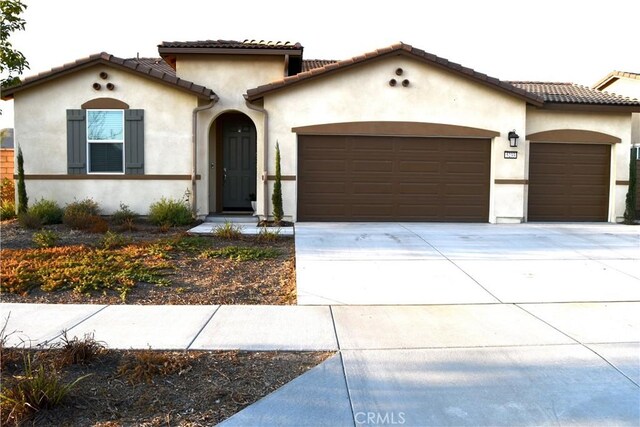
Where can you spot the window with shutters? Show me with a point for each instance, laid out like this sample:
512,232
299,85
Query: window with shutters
105,141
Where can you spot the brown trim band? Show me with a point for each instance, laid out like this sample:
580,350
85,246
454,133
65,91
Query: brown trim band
511,181
105,104
396,129
283,177
622,182
110,177
572,136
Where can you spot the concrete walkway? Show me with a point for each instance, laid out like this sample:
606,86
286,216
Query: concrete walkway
427,263
470,364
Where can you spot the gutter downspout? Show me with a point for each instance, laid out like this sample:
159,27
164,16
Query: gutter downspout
265,156
194,167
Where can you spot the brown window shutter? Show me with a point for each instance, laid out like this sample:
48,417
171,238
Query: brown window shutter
134,142
76,142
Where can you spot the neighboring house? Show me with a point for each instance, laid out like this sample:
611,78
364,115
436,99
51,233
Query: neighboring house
6,153
626,84
397,134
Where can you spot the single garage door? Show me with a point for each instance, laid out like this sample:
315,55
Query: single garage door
376,178
569,182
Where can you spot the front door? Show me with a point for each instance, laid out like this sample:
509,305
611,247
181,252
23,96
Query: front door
239,163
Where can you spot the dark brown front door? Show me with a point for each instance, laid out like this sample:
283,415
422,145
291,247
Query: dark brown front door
239,162
371,178
569,182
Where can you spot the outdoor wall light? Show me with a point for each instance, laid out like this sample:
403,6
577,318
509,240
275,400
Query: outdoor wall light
513,138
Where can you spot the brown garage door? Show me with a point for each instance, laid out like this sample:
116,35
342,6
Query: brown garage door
569,182
371,178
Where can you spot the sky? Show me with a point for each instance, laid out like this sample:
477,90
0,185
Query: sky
540,40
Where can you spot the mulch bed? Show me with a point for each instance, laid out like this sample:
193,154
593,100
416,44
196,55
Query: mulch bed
204,389
194,280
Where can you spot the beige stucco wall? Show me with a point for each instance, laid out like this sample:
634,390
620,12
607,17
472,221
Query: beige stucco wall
229,77
630,88
41,127
433,96
616,124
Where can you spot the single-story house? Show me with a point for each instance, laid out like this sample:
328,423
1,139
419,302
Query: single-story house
397,134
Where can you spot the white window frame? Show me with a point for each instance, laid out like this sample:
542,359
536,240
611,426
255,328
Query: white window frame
105,141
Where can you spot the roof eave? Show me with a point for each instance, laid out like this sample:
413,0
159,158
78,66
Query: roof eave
261,91
226,51
604,108
8,93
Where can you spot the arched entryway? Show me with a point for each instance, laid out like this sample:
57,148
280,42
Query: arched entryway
232,163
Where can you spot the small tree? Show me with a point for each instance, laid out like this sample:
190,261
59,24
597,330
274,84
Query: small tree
630,201
12,61
276,197
23,200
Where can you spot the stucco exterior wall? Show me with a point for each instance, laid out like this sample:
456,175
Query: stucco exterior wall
631,88
433,96
229,76
616,124
41,128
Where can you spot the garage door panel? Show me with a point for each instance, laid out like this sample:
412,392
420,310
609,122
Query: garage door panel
393,178
569,182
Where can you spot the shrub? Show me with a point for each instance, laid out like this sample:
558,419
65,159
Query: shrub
27,220
113,240
268,236
630,200
39,388
237,253
47,211
7,210
228,230
129,225
170,212
45,238
76,350
7,190
123,215
143,366
276,197
95,224
77,214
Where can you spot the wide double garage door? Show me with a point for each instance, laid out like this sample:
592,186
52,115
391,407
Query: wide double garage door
569,182
381,178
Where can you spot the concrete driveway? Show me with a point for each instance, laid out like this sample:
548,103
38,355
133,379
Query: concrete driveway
427,263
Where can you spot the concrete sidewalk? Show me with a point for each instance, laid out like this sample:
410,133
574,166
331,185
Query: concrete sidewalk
471,364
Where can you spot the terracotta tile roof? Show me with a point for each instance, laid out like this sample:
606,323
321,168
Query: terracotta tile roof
570,93
310,64
155,63
402,49
231,44
158,73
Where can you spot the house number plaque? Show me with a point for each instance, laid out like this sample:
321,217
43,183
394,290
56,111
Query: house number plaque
510,154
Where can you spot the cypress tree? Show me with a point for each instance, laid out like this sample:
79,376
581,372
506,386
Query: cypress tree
23,200
630,201
276,197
